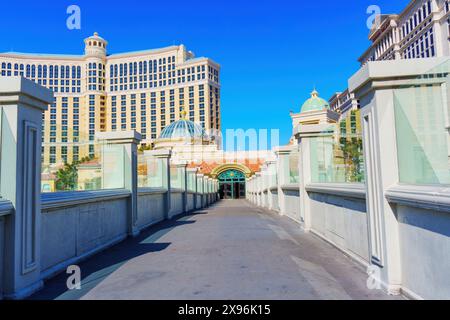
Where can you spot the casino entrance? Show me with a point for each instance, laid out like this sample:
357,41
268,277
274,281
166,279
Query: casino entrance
232,184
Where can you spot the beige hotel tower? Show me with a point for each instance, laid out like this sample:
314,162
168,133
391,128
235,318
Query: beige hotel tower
144,91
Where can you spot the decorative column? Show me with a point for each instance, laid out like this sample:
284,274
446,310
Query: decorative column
304,135
192,175
129,140
271,183
377,87
182,174
258,189
209,186
22,103
206,191
200,190
282,154
163,157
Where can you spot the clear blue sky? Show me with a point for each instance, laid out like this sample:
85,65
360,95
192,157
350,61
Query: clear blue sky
272,53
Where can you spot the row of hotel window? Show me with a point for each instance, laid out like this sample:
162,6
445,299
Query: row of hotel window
416,19
423,47
142,67
39,74
143,84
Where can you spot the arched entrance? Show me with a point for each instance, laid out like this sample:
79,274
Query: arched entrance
232,184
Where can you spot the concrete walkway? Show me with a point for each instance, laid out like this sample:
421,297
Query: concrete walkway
230,251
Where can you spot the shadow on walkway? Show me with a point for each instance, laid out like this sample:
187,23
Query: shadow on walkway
96,268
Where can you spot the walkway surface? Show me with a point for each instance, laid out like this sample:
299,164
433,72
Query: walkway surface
230,251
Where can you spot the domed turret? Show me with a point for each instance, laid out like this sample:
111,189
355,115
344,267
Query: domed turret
315,103
95,46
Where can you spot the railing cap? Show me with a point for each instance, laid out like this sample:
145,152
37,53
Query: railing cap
120,137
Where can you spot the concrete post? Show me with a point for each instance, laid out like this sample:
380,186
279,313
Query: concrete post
282,154
182,173
192,173
304,134
22,103
374,87
200,190
258,189
129,140
209,186
163,156
271,177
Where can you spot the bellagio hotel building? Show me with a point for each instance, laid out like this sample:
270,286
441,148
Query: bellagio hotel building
143,91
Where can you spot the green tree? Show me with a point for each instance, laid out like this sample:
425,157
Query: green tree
67,177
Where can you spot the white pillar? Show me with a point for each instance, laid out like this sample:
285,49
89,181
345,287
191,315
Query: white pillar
22,103
304,135
192,176
282,154
374,87
129,140
163,156
182,174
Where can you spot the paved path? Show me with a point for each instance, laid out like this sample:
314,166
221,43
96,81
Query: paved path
230,251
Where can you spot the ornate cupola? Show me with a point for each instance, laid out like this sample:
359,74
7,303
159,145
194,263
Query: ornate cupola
95,46
315,103
314,111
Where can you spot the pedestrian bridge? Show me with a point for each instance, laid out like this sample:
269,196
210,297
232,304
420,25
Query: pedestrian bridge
232,250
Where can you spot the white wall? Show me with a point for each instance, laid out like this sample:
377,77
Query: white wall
341,221
151,208
190,201
425,252
71,233
199,203
176,203
292,203
274,197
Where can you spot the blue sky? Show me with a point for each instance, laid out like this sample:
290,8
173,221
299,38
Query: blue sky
272,53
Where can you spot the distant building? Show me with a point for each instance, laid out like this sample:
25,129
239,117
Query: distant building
421,30
144,91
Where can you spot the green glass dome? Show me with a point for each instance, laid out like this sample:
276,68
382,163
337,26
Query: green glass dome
183,129
315,103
